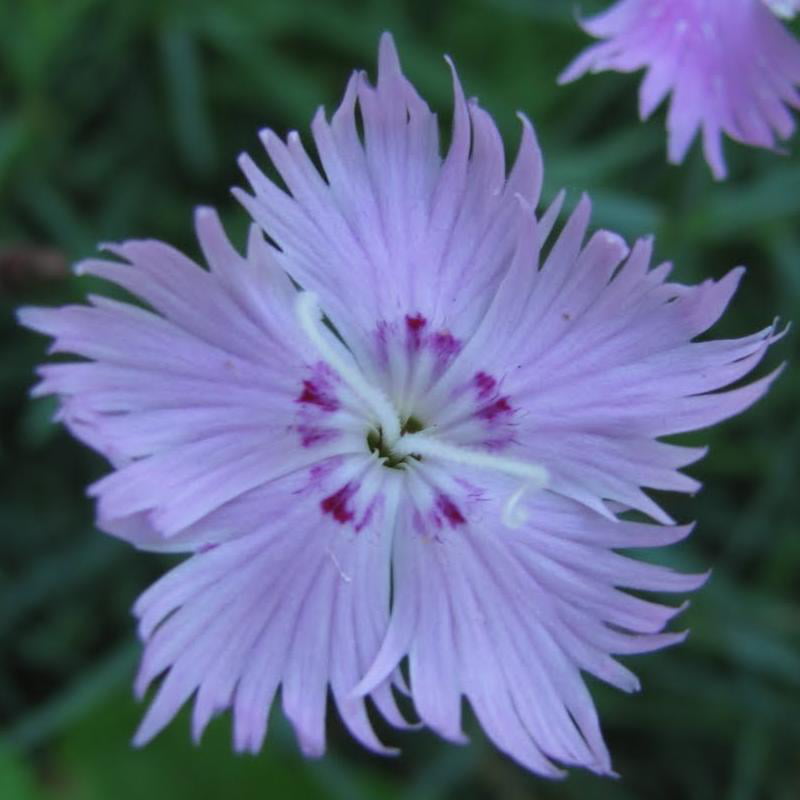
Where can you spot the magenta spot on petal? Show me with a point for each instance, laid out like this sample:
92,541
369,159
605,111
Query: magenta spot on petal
367,518
318,472
495,409
498,443
382,336
315,394
485,383
450,510
445,345
207,547
311,435
414,325
336,504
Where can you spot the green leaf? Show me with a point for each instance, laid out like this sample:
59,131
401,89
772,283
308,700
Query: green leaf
183,72
17,782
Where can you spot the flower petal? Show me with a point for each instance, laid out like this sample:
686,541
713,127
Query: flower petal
509,618
275,608
596,355
390,227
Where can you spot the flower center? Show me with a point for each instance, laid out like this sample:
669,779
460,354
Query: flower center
397,440
390,459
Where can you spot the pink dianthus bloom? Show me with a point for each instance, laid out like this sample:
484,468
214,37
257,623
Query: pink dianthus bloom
731,67
437,475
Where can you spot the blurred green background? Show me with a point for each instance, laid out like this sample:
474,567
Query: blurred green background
116,118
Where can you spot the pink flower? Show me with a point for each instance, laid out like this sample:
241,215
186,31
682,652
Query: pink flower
439,476
730,65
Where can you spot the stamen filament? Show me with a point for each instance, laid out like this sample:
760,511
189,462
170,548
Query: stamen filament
534,476
309,316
